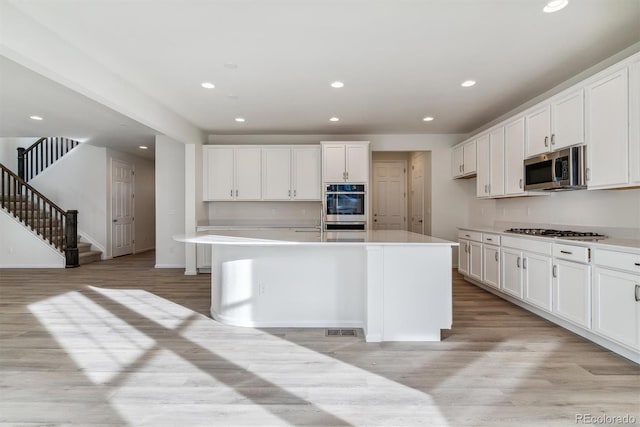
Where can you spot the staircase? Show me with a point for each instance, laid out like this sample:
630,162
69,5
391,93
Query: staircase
57,227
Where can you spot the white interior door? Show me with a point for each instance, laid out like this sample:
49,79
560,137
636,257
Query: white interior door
417,196
122,230
389,195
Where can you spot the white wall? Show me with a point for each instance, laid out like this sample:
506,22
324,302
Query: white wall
9,152
79,181
170,202
20,248
144,201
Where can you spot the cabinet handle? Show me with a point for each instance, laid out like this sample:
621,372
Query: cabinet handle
587,173
554,271
546,141
496,256
566,252
518,262
485,188
236,193
347,175
520,183
637,264
289,193
553,139
637,293
295,192
231,192
467,248
524,263
490,239
467,235
489,188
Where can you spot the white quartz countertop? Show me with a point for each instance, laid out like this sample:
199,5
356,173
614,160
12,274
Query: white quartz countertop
248,224
311,237
627,245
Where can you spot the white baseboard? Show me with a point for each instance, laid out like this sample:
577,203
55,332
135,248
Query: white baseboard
288,324
169,266
32,265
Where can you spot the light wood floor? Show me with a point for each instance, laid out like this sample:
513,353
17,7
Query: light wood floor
121,343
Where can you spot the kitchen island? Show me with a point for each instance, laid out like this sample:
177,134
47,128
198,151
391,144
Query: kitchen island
395,285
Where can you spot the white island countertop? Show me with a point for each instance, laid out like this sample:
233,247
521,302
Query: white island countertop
312,237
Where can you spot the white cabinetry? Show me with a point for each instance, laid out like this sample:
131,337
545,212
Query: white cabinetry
490,164
511,272
536,271
232,173
514,157
464,159
572,284
291,173
526,270
470,253
607,131
616,297
345,162
634,122
491,265
276,173
556,124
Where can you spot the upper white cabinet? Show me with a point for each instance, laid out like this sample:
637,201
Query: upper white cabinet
276,173
261,172
306,173
556,124
514,157
607,131
464,160
490,164
232,173
634,122
345,162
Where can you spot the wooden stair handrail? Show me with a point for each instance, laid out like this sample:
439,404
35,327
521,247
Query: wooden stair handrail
65,237
42,154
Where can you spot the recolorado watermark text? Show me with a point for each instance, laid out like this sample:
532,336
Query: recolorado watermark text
605,419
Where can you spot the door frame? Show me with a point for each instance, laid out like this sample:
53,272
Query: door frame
133,204
405,186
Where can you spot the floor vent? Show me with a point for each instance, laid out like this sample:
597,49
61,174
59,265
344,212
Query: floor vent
341,333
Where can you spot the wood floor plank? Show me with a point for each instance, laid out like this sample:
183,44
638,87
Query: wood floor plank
120,343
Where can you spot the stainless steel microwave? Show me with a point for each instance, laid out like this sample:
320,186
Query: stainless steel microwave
561,170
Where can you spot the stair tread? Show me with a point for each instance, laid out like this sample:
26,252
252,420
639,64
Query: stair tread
89,253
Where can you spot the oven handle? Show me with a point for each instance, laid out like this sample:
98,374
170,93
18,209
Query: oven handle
345,192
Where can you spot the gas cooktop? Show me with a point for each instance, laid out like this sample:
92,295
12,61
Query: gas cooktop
564,234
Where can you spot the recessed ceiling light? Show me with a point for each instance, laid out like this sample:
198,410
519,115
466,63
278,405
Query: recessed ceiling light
207,85
143,147
428,119
239,119
334,119
337,85
35,118
555,5
468,83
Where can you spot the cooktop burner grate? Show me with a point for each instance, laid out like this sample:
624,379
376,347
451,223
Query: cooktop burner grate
565,234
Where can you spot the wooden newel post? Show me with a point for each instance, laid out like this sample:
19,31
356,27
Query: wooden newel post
71,239
21,162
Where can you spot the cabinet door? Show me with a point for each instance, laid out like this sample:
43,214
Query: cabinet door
572,292
607,131
514,157
218,173
511,268
538,130
306,173
491,265
634,122
457,159
357,162
483,165
469,158
333,162
496,181
616,311
463,257
248,174
203,256
567,120
536,271
475,260
276,173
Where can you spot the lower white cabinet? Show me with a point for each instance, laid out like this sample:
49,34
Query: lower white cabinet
616,306
511,269
571,292
491,265
536,272
475,260
463,257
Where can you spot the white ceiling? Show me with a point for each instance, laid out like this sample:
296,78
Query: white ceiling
400,60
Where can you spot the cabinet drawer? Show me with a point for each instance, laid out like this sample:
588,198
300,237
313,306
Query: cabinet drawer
528,245
476,236
491,239
571,253
618,260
